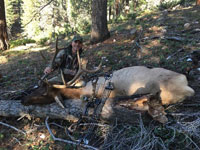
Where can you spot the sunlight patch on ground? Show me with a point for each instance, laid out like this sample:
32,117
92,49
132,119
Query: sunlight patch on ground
20,51
143,52
155,59
38,49
157,29
3,60
153,43
30,48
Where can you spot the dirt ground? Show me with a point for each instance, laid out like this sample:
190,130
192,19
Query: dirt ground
168,39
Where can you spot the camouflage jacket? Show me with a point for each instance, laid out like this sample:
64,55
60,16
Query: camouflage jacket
66,60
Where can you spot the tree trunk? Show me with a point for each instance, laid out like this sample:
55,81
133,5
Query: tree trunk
110,10
127,2
99,31
198,2
73,110
117,7
135,4
3,29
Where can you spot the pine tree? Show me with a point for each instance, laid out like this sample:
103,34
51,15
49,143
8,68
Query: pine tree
3,27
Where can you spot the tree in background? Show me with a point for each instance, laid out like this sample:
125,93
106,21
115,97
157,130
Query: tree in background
37,19
79,15
46,18
3,28
13,16
197,2
99,30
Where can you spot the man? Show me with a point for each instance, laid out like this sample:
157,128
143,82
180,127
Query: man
67,61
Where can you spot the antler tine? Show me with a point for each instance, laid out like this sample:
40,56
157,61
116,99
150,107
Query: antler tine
86,70
81,70
54,57
95,70
56,52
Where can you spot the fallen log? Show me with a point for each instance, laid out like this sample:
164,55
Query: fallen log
72,111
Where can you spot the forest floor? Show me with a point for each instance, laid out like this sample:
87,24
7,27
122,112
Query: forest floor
165,39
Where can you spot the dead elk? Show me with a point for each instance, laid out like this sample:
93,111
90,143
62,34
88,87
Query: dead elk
127,81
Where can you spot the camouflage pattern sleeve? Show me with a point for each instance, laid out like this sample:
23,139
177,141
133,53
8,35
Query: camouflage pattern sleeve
58,60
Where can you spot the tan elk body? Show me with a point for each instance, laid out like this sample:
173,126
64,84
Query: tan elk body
140,80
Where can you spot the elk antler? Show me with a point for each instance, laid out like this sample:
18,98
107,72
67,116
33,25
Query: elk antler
81,70
57,98
52,62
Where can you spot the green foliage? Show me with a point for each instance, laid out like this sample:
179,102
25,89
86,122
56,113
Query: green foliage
170,4
70,147
9,12
1,148
172,138
132,16
19,42
66,16
79,15
59,17
31,29
1,136
43,41
12,12
84,27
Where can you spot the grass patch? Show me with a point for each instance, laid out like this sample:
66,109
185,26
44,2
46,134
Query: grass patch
20,42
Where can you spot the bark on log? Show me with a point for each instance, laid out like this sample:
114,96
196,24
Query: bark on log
73,110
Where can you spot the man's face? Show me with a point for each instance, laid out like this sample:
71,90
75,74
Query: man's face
76,45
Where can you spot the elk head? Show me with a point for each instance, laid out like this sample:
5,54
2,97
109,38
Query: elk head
150,103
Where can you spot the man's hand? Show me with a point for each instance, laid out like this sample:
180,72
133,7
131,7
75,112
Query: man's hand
48,70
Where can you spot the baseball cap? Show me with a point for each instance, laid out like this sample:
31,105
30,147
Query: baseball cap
77,38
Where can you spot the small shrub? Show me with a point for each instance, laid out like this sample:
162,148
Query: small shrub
43,41
84,27
20,42
170,4
132,16
1,136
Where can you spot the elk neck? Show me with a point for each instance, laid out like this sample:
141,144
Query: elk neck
72,93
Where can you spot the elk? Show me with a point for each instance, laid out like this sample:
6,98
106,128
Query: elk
127,81
171,86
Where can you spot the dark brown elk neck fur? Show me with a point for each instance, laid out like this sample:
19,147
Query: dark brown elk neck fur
46,95
39,96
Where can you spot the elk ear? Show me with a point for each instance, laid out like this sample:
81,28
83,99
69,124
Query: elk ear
59,100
